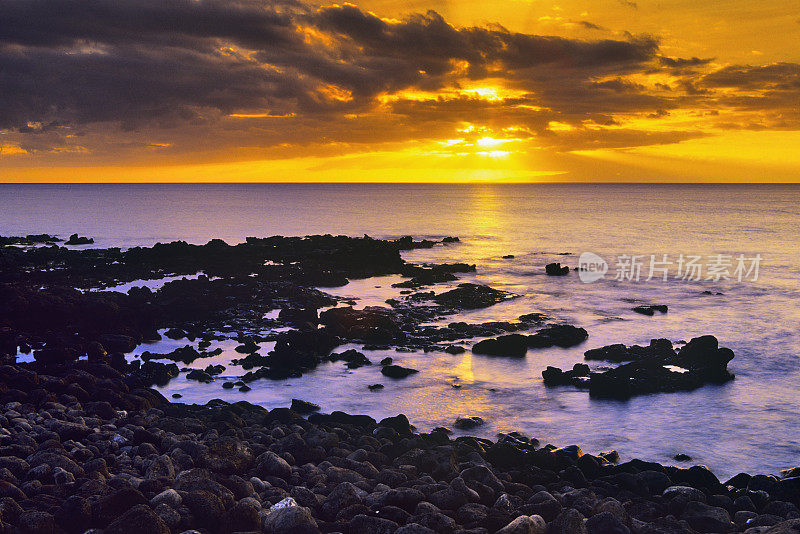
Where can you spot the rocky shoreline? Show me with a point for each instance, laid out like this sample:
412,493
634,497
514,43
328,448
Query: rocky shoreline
81,451
85,445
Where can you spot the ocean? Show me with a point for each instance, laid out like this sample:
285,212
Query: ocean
726,231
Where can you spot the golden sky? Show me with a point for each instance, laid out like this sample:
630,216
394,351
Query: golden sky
384,90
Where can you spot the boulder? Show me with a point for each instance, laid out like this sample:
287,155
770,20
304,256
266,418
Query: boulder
228,456
397,371
139,519
525,525
290,520
303,407
270,464
467,423
515,345
471,296
556,269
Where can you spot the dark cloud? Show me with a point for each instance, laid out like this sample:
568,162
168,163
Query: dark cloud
184,23
591,25
108,74
131,61
777,76
678,62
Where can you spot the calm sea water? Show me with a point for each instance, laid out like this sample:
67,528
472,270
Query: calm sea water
750,424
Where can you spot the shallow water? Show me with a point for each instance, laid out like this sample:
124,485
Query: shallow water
750,424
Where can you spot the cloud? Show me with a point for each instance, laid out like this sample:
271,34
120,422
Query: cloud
777,76
591,25
678,62
160,80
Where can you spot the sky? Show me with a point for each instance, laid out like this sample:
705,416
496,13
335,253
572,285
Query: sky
399,91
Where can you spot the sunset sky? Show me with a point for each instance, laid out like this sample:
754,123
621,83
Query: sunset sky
384,90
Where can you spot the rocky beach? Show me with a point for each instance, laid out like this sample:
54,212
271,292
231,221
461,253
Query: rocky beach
87,445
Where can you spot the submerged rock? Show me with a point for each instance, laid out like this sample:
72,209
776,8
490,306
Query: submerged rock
466,423
75,239
652,369
471,296
515,345
373,324
303,407
651,310
351,357
562,335
658,348
556,269
397,371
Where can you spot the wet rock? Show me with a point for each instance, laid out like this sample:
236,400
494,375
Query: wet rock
67,430
425,277
118,343
605,523
55,460
342,418
270,464
74,515
414,528
651,309
303,407
297,351
200,376
34,522
467,423
205,506
612,456
75,239
139,519
56,355
404,498
169,497
704,518
290,520
471,296
373,324
397,371
242,517
785,527
161,467
556,269
351,357
656,368
114,505
658,348
398,423
364,524
228,456
563,335
434,520
344,495
570,521
684,493
299,317
248,347
577,376
515,345
525,525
